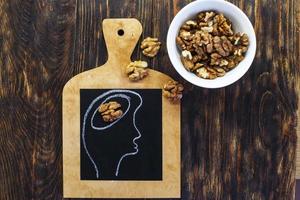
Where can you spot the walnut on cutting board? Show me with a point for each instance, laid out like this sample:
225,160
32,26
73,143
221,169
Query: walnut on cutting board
173,91
110,111
137,70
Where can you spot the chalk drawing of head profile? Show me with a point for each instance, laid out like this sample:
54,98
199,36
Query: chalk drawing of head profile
108,144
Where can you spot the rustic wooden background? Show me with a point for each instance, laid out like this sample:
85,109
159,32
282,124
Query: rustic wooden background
238,142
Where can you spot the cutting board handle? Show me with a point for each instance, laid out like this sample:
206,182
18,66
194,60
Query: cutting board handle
121,37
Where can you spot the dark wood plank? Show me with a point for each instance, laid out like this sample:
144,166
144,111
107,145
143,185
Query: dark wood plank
237,142
36,60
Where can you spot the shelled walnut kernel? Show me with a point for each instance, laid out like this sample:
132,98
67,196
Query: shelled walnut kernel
137,70
209,46
173,90
110,111
150,46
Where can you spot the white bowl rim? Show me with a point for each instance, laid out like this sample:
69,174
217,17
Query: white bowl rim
218,82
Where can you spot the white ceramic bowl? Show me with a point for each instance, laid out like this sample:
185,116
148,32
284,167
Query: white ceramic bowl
240,23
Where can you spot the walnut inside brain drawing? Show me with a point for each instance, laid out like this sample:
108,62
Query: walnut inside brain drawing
120,145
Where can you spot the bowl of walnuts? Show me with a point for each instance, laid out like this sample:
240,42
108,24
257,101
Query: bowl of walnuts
211,43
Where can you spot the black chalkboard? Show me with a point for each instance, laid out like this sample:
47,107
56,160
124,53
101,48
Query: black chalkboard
129,148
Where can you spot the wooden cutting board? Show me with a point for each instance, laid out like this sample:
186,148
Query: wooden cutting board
156,174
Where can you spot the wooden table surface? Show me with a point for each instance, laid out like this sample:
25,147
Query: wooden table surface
238,142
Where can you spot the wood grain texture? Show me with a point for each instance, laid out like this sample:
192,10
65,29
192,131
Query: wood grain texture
297,58
238,142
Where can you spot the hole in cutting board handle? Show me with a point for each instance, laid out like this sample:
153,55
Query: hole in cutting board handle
120,32
120,47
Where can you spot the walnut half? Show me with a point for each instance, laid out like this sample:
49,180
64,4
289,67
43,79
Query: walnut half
173,91
150,46
210,72
137,70
110,111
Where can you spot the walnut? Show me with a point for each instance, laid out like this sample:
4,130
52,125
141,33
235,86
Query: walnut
241,43
226,29
238,59
186,27
197,66
150,46
201,52
186,35
110,111
206,40
202,72
210,72
201,42
187,54
180,43
196,58
173,91
234,61
186,59
219,19
215,31
209,46
137,70
209,16
207,29
210,23
203,24
201,16
244,39
240,39
184,40
222,45
238,52
190,24
220,71
231,64
221,25
223,62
